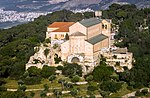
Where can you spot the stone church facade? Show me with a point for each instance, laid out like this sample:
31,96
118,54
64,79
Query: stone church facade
86,39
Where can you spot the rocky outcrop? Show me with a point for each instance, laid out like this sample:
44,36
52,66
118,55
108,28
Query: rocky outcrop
41,57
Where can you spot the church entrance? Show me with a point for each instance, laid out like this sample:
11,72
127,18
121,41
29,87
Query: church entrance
75,60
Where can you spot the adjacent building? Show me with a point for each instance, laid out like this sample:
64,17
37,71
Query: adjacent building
118,58
57,31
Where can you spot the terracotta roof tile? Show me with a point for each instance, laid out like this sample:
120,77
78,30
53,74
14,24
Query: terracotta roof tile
59,24
63,26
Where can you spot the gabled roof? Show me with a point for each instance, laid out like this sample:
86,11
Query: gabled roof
62,26
90,22
97,39
77,34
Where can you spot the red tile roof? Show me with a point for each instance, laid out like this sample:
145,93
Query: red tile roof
62,26
59,24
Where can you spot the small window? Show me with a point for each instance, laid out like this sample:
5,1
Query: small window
102,26
62,35
55,36
105,26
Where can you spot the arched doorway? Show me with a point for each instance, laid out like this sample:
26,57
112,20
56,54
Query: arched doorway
75,60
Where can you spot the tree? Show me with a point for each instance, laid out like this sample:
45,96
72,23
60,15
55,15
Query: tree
102,72
52,78
46,87
47,71
57,59
110,86
89,78
75,78
104,94
92,87
16,94
71,69
34,71
46,52
59,67
66,36
22,88
32,80
43,94
32,94
74,92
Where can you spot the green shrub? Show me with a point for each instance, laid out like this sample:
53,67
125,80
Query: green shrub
75,78
57,59
52,77
111,86
89,78
46,52
144,92
71,69
92,88
59,67
32,80
3,88
47,71
55,46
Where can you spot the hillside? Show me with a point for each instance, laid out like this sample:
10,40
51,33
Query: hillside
17,45
53,5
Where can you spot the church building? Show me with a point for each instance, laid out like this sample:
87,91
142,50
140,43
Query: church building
86,39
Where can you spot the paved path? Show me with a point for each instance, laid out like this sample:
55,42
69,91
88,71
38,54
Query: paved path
133,93
33,89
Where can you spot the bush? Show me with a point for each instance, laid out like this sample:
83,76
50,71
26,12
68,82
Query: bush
144,92
111,86
138,93
92,88
16,94
2,81
46,52
3,88
22,88
71,69
47,71
59,67
89,78
32,80
104,94
55,46
34,71
75,78
47,40
52,77
102,73
46,87
74,92
130,87
57,59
